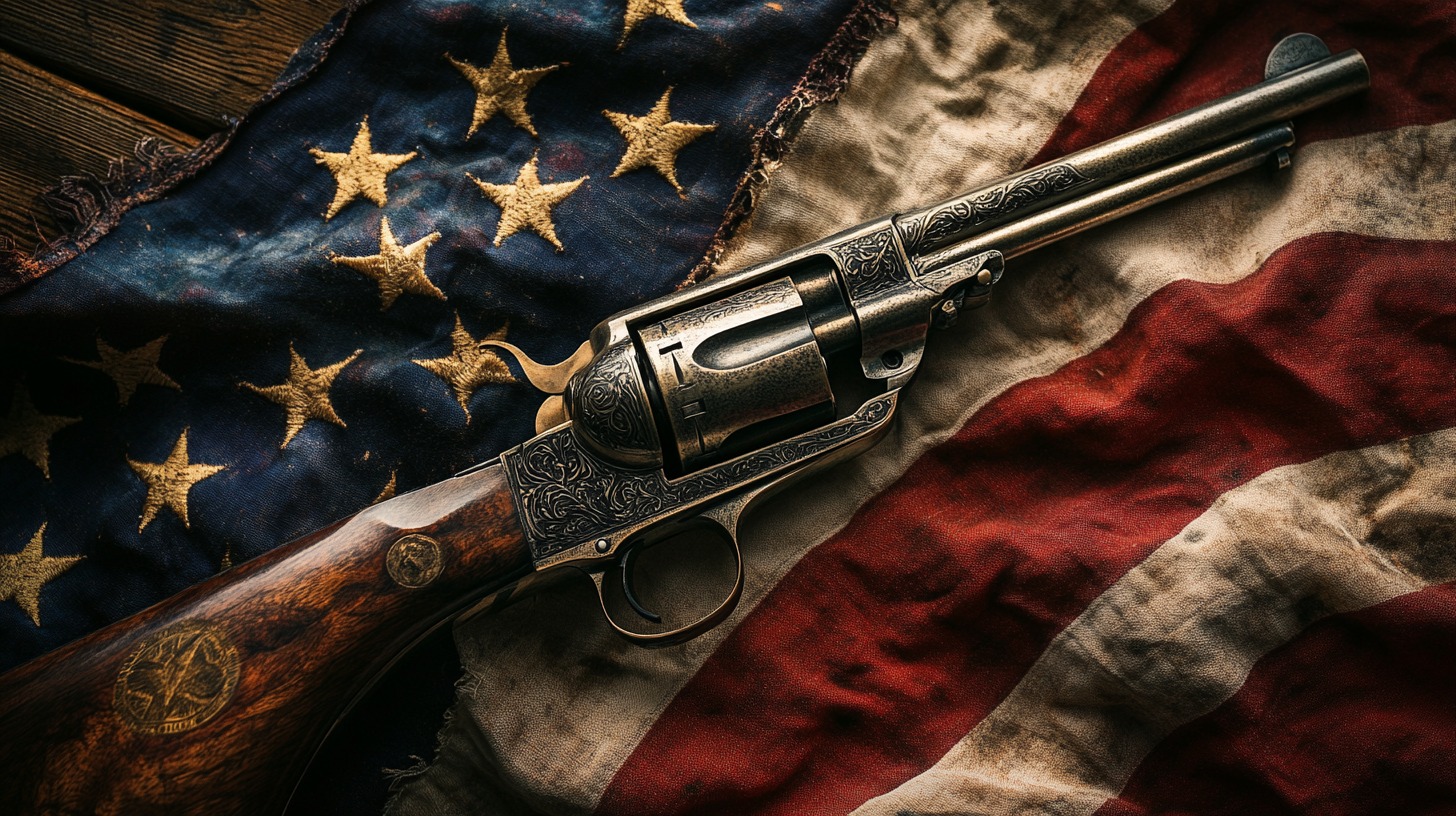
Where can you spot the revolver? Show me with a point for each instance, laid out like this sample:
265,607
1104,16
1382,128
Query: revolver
687,410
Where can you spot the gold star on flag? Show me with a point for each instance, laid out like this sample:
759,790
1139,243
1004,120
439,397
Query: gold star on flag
305,394
654,140
398,269
527,203
28,432
170,481
22,575
501,88
388,492
468,366
129,369
639,10
361,171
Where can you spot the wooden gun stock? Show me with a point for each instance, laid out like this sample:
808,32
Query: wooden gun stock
214,701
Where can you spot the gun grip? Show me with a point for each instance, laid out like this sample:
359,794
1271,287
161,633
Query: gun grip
214,700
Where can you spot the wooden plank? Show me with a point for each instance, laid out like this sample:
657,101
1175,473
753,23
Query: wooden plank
187,63
51,128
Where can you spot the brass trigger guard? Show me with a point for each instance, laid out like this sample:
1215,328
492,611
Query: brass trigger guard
685,633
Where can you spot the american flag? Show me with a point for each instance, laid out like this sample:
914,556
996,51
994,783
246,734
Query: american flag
1166,528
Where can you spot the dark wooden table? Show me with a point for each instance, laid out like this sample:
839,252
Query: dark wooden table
82,81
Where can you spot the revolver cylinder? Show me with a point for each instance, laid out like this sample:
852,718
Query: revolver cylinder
734,373
683,389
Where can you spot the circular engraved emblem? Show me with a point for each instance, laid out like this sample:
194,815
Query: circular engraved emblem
414,561
177,678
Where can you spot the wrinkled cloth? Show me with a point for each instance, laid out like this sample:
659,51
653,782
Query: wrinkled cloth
1165,528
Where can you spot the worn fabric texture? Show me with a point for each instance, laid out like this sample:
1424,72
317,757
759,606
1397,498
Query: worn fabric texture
1175,457
1166,528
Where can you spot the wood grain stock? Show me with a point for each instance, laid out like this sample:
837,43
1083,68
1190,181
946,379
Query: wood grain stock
215,700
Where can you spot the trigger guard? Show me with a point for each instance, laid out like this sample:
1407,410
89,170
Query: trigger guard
681,634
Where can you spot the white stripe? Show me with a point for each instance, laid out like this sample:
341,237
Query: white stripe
561,703
1179,633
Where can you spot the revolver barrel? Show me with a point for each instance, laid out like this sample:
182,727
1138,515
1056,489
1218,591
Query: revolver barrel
1116,200
1281,96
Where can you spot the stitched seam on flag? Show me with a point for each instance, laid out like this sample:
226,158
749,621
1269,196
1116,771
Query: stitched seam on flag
823,81
93,204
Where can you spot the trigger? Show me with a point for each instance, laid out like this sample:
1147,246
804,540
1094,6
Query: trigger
627,589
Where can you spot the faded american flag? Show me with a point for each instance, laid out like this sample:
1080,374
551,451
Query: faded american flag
1166,528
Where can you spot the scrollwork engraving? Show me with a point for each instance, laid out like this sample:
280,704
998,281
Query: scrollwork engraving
945,221
749,300
607,401
871,265
567,495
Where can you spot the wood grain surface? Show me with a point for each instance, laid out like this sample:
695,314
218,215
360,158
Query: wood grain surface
81,81
50,128
215,700
191,64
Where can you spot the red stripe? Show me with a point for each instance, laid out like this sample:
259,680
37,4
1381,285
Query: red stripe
1355,716
887,643
1198,50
